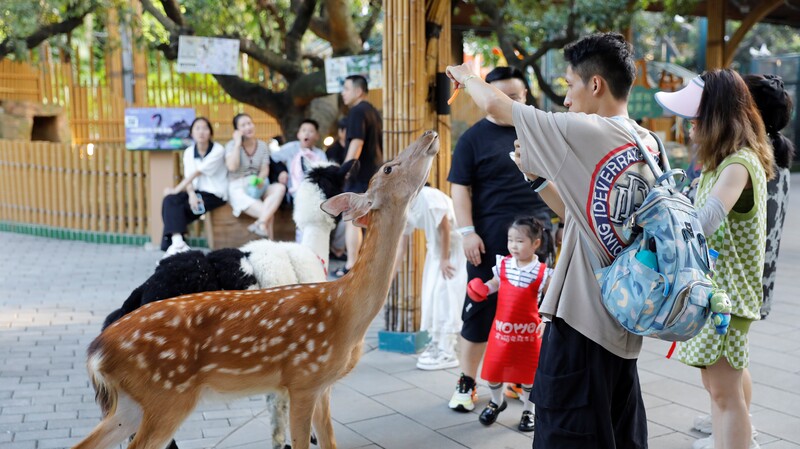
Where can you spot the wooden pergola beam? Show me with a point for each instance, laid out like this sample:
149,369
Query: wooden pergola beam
762,10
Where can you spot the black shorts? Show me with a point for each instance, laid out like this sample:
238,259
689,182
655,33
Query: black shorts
477,319
585,396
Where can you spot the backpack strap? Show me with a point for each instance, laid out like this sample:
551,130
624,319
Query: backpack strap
664,177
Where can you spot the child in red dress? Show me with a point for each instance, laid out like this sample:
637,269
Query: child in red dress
512,353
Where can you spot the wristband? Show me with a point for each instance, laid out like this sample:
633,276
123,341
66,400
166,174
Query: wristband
539,184
466,230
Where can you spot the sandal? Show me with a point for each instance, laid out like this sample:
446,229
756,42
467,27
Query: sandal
256,229
341,272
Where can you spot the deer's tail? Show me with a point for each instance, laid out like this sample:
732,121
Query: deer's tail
105,394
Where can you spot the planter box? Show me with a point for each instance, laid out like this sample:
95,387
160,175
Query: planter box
402,342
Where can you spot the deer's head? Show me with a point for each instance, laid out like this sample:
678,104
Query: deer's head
394,185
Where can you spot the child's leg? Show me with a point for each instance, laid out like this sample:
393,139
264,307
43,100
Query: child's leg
496,391
527,405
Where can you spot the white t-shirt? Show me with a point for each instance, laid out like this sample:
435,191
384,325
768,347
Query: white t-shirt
214,173
601,179
522,276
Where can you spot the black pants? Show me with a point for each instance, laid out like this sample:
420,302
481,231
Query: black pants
177,214
585,396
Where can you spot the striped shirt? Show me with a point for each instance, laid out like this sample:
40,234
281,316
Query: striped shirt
522,276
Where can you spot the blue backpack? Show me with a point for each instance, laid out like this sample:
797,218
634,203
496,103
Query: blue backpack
660,285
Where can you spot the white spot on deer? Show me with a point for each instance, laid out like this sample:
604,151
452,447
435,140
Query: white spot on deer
290,322
184,386
248,339
312,311
167,385
208,297
224,349
310,346
236,351
247,314
198,319
212,310
181,369
322,291
324,357
158,315
156,376
234,315
302,338
328,313
235,337
220,331
184,354
141,362
229,371
321,327
303,309
275,341
281,301
174,322
314,367
188,321
136,335
206,343
127,345
171,374
208,367
292,346
168,354
300,358
256,309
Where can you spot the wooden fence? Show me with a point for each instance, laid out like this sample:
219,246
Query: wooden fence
101,188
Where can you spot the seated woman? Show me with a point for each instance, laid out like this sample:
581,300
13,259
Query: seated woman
204,187
249,189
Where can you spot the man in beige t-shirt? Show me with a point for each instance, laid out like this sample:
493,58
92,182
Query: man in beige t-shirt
587,391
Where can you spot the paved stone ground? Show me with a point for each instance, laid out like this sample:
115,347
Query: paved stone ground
54,295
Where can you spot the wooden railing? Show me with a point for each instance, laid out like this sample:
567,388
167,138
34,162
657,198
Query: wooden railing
100,188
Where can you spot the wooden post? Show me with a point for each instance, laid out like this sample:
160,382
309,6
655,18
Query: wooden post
160,175
715,47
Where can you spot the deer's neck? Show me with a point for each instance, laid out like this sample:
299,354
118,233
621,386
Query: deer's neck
317,238
366,289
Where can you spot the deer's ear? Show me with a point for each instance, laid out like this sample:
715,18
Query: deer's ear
352,205
362,221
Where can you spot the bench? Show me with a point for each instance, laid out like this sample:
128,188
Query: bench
223,230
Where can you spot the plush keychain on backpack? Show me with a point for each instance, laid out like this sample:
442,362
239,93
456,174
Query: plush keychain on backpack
720,310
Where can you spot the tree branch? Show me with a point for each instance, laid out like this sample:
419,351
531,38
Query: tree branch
7,46
294,38
255,95
289,69
172,27
375,12
546,88
173,10
343,36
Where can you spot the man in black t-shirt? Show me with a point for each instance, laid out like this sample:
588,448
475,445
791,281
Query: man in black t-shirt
488,193
363,142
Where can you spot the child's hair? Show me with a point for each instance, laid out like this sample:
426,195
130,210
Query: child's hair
535,229
311,122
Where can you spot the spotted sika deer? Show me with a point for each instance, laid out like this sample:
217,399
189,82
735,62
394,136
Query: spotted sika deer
150,368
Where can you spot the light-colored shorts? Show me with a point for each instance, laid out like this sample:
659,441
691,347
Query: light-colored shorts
238,197
707,347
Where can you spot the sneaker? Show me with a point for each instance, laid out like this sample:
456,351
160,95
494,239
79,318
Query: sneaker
514,391
443,360
491,412
708,443
466,394
526,422
429,354
702,423
176,248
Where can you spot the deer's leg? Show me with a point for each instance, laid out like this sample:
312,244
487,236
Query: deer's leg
116,427
322,421
161,421
278,404
301,409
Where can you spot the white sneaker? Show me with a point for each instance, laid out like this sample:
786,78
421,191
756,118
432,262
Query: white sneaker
708,443
428,355
444,360
176,248
702,423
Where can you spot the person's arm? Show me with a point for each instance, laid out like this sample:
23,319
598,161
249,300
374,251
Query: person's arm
488,98
723,196
354,150
462,203
447,268
549,193
232,151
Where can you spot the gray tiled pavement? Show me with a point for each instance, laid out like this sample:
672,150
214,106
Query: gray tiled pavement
54,295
